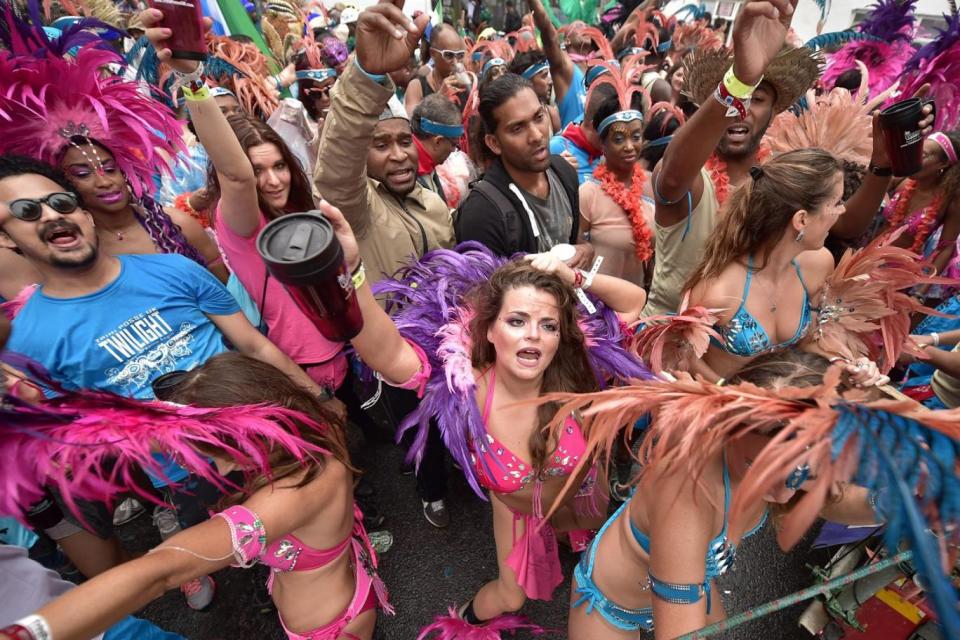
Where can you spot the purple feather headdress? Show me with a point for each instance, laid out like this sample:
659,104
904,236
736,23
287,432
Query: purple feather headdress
892,24
426,301
46,101
67,442
29,37
938,63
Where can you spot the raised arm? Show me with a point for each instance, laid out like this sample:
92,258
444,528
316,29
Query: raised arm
99,603
561,66
862,206
624,297
238,184
759,34
386,38
379,344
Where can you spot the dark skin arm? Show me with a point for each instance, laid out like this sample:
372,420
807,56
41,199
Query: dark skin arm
862,205
759,34
561,66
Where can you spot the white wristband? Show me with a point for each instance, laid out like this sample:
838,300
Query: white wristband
37,626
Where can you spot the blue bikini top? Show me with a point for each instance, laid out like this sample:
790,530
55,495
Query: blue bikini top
744,336
720,553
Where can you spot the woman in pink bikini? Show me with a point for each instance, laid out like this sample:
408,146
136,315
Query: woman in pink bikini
300,520
524,340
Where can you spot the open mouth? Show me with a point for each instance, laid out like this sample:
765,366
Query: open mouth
529,357
401,176
62,237
541,154
738,133
273,195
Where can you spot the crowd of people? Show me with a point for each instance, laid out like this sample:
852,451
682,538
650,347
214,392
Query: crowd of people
686,242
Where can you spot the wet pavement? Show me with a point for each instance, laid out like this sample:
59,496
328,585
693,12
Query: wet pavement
428,569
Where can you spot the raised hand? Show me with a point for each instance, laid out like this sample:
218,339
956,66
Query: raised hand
386,37
758,36
157,35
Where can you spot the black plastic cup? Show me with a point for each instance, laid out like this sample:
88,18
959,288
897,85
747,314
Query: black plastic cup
900,127
302,253
165,385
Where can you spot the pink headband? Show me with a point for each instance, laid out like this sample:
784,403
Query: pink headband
945,144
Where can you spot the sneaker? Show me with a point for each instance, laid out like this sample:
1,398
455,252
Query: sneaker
199,592
126,511
165,520
436,513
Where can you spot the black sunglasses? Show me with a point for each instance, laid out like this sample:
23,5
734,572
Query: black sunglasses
30,209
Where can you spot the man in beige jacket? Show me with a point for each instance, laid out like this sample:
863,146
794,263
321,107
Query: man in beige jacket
367,166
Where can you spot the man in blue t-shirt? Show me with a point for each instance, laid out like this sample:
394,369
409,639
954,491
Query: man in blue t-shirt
112,323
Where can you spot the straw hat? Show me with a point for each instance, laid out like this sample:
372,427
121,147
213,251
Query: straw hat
791,74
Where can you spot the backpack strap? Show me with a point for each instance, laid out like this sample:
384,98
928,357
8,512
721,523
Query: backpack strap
511,220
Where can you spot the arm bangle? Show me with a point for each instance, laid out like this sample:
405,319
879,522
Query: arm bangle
359,276
936,338
736,87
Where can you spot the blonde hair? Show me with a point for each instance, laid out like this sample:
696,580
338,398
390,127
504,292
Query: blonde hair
758,213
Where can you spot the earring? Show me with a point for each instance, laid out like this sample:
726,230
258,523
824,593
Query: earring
799,238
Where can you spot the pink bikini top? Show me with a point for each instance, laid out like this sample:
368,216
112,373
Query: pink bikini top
287,553
510,472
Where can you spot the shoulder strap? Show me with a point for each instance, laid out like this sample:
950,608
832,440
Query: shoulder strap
510,218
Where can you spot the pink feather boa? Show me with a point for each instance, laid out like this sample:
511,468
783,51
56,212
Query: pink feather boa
453,627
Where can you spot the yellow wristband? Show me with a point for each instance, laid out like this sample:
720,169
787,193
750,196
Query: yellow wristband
359,276
203,93
736,87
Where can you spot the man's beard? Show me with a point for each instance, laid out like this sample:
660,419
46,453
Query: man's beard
724,150
74,262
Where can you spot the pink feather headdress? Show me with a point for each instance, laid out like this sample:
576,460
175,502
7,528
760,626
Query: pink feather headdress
88,445
836,122
488,49
624,78
45,101
582,32
891,27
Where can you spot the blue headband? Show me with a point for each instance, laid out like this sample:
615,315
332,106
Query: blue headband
534,69
663,46
630,51
317,75
660,142
593,73
454,131
619,116
490,64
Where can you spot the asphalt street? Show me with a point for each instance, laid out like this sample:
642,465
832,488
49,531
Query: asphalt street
428,569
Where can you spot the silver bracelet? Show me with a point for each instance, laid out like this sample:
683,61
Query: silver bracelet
181,78
936,338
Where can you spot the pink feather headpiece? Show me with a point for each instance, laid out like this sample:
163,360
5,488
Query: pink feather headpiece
891,25
46,101
624,78
89,445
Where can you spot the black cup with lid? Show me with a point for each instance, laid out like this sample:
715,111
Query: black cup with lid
302,252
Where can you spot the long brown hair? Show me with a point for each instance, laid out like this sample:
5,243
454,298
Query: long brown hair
231,379
760,211
570,369
252,132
